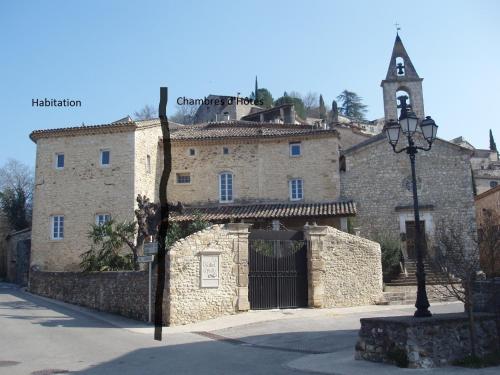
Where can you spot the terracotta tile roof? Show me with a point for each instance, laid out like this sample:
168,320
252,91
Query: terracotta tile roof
266,211
244,129
115,127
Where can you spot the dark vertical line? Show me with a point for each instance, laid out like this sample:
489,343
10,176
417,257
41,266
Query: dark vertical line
162,232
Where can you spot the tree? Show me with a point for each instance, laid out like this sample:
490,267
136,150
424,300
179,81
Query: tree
297,102
106,254
489,242
390,247
148,112
256,91
310,101
16,193
334,113
322,108
13,204
185,114
352,105
493,145
264,96
457,256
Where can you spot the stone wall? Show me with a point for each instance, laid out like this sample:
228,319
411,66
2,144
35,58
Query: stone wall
424,342
487,295
4,231
379,181
123,293
188,298
185,301
350,136
18,256
344,270
261,169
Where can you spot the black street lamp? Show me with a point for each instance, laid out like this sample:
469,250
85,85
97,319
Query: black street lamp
409,125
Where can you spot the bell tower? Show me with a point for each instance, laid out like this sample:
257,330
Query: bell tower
402,85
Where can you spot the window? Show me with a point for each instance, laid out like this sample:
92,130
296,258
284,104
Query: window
57,227
295,149
225,150
192,152
148,164
105,157
226,187
59,161
100,219
296,190
493,184
183,178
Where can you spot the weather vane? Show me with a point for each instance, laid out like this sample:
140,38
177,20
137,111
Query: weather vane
398,27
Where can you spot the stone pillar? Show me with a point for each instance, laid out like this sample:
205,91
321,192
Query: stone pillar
240,231
315,264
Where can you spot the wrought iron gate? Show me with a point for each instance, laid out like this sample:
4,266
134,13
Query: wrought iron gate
277,269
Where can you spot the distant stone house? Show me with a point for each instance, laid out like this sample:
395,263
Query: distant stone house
485,166
223,108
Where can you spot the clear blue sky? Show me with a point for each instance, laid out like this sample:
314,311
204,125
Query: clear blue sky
114,55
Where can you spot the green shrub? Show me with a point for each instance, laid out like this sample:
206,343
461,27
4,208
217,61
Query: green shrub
391,255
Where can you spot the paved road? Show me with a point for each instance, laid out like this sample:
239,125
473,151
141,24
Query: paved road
37,336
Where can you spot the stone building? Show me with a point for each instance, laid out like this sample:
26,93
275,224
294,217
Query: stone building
223,108
85,175
485,166
228,171
258,172
379,181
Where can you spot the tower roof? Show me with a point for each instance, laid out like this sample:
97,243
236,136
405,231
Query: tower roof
399,51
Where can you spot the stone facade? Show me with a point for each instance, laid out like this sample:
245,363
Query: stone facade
344,270
379,181
261,169
79,191
350,136
424,342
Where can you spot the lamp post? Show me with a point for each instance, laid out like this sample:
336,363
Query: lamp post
409,124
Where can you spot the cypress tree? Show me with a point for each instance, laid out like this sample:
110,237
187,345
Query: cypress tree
322,108
256,90
493,145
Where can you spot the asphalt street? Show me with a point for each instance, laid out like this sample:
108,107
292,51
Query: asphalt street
38,336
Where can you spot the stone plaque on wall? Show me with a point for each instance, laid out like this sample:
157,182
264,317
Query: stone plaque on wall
209,271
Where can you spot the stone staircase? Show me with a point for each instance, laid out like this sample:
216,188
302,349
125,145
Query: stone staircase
402,290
